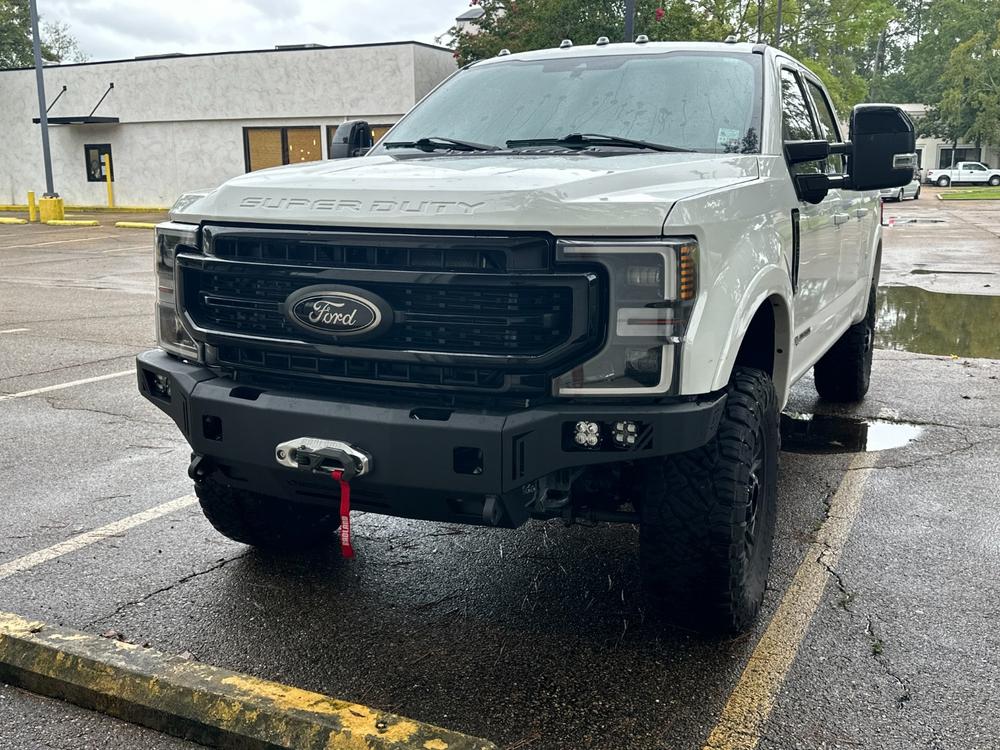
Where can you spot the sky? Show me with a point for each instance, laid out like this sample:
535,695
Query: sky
116,29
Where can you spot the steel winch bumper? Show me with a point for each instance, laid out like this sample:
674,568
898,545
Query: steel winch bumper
442,464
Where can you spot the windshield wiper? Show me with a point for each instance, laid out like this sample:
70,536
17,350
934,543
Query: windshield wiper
436,142
583,140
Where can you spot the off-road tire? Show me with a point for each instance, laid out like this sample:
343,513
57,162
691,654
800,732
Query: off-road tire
845,372
264,521
994,180
943,182
707,516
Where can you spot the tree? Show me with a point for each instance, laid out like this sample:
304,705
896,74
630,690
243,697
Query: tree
836,38
58,44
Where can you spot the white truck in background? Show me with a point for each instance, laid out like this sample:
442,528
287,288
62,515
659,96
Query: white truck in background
964,173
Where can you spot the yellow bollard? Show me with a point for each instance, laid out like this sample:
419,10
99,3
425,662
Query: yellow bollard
107,175
51,209
32,207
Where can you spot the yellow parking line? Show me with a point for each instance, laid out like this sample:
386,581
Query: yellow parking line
60,386
78,542
749,705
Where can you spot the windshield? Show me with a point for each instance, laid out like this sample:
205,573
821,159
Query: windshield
700,101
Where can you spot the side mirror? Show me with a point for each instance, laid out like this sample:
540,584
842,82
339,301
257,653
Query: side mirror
883,148
352,138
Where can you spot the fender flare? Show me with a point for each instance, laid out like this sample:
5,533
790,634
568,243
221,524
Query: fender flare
771,286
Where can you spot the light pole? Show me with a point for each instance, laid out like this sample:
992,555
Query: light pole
43,118
629,20
777,27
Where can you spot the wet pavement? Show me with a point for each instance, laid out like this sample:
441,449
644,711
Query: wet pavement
534,638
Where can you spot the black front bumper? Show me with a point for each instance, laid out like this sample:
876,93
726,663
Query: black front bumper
435,464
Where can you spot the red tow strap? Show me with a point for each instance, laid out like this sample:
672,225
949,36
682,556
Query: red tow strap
345,514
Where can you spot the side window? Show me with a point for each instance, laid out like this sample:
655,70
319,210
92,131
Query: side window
796,119
828,125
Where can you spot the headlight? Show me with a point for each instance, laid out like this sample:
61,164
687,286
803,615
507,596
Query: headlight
652,289
171,238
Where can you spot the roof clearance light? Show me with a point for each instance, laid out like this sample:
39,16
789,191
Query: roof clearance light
566,44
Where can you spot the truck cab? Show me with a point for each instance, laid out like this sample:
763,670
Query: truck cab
574,283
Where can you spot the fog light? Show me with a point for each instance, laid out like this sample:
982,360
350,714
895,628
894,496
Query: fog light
625,433
161,385
588,434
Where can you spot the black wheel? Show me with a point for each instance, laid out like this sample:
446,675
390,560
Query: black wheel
916,195
844,373
264,521
899,196
707,516
943,182
995,180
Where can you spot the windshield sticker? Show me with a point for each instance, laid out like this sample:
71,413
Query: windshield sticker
729,137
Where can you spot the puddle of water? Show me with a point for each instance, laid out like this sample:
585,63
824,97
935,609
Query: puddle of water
914,320
827,433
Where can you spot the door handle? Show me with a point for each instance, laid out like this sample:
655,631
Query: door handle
841,218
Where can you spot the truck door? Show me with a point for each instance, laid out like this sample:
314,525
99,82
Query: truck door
820,228
970,171
857,210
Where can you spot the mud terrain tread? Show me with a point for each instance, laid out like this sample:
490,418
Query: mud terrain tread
692,553
264,521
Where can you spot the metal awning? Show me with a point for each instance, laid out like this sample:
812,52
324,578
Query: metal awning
79,120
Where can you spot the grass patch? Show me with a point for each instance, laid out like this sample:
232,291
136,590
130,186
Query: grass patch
971,194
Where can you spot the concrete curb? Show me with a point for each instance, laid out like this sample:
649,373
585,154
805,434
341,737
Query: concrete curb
6,220
198,702
73,223
135,225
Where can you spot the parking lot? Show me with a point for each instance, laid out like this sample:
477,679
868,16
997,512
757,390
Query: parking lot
878,626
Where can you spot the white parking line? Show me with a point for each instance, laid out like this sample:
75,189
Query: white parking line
15,330
60,386
87,538
59,242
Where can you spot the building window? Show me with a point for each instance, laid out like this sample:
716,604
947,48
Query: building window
93,155
961,154
272,147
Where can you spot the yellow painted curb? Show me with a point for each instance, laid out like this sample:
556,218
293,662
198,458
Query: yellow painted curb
135,225
74,223
94,209
199,702
5,220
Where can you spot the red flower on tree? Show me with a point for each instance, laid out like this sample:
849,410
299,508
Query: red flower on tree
660,13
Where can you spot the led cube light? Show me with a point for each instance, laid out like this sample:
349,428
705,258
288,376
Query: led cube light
588,434
625,433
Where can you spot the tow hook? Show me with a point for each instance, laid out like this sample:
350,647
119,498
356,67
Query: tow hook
320,456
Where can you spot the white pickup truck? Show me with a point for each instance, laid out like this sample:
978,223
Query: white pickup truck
574,283
964,173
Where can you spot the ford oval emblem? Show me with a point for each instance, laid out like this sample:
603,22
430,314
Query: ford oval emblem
338,312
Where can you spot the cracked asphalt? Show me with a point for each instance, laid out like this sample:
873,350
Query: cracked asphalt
533,638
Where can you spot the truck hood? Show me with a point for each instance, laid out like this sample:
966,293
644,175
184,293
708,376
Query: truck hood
578,194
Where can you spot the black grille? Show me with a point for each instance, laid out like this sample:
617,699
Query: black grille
472,315
459,318
407,253
339,368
